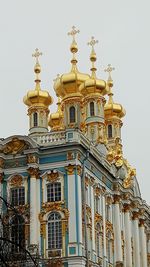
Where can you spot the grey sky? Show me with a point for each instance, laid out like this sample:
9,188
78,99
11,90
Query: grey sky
122,28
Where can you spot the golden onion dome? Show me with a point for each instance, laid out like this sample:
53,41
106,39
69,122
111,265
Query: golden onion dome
67,85
112,109
55,120
93,85
37,97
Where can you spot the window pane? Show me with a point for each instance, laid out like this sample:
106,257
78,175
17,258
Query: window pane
54,231
72,115
17,196
54,192
92,109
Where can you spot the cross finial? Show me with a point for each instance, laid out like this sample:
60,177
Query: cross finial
109,69
73,32
36,54
92,42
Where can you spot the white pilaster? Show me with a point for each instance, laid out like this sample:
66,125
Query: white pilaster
143,254
33,206
117,230
136,247
93,226
104,228
127,236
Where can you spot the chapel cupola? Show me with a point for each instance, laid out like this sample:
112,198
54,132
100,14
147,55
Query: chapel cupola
38,102
114,113
56,119
67,86
93,91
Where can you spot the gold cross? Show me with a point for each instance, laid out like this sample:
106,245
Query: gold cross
73,32
109,69
36,55
92,42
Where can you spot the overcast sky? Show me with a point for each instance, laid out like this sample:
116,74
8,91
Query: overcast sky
122,28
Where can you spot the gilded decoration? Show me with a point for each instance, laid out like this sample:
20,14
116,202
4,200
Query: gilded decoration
117,199
1,177
70,155
97,191
16,180
109,227
34,172
131,173
27,231
70,169
97,218
79,170
115,154
53,206
53,176
1,163
31,159
14,146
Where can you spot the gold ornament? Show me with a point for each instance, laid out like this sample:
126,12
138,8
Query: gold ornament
52,177
16,180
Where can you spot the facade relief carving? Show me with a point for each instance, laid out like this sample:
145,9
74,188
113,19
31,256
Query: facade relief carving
14,146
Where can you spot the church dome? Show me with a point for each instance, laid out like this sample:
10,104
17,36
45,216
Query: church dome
67,85
37,97
55,120
93,85
112,109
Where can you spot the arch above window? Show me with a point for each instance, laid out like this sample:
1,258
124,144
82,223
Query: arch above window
92,111
35,119
72,114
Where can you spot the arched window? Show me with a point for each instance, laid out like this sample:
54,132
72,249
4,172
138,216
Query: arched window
17,196
35,119
17,233
54,192
92,113
99,240
109,131
54,231
72,113
109,246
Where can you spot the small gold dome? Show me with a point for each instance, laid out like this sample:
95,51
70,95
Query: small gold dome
93,85
112,109
37,97
55,120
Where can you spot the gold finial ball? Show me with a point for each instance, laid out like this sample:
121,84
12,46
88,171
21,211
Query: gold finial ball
37,68
110,83
93,57
74,47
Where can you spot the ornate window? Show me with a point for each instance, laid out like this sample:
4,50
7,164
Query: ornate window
54,192
99,240
97,204
54,231
72,113
17,196
35,119
92,113
109,246
17,233
109,131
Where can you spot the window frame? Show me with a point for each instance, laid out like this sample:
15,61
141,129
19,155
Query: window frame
19,198
92,109
56,191
35,119
109,131
54,231
72,114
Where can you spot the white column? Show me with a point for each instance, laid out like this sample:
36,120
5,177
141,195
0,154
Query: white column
33,205
38,211
136,247
127,236
117,231
92,211
104,227
143,249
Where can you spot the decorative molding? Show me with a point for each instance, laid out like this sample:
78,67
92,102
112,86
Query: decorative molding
70,169
2,163
33,172
16,180
53,176
14,146
32,159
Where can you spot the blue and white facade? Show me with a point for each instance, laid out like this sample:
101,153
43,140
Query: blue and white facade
78,197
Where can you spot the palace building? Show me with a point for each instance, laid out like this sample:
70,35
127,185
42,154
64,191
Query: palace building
77,197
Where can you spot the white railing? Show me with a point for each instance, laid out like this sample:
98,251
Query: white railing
51,138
